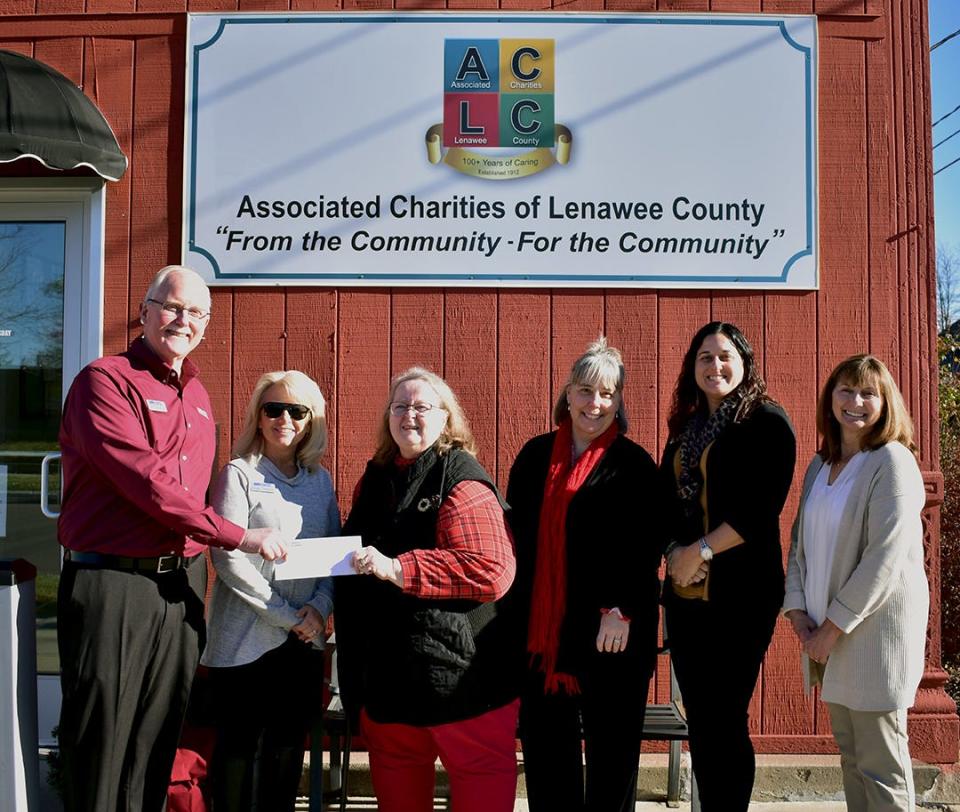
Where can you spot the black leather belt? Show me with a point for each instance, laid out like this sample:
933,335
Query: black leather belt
157,564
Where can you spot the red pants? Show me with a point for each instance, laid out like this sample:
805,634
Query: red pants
479,755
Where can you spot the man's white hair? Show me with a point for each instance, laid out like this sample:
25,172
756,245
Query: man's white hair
180,270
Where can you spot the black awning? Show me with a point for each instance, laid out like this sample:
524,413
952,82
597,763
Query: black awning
43,115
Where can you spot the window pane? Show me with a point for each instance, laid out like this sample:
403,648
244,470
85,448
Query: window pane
31,373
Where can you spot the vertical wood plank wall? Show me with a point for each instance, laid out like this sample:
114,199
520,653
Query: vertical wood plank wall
507,352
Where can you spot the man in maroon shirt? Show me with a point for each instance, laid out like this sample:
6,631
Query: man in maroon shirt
138,445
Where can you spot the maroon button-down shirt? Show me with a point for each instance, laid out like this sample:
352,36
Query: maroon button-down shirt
138,442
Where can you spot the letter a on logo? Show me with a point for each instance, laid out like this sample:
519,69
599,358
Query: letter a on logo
472,66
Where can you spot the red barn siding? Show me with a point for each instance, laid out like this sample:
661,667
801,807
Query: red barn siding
470,363
506,352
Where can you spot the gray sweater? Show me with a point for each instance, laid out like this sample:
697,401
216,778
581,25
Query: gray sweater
878,593
250,613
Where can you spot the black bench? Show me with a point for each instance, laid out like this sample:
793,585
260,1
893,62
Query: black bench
660,723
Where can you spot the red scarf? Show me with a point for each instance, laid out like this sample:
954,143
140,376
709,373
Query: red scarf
549,599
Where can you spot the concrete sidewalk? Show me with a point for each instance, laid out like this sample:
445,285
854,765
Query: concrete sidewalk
369,805
784,783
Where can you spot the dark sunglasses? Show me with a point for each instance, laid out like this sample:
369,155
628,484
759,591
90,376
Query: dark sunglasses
296,411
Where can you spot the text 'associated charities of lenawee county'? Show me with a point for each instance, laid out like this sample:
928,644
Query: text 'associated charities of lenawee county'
371,235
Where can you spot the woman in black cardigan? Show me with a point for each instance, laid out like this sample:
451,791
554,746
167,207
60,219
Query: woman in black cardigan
583,502
727,466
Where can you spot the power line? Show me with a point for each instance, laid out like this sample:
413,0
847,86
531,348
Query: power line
947,166
954,110
945,39
946,139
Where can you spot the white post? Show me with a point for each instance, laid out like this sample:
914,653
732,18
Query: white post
19,772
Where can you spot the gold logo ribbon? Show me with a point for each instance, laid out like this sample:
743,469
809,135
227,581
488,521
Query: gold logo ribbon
499,167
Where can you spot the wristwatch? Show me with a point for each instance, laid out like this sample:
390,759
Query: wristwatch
706,551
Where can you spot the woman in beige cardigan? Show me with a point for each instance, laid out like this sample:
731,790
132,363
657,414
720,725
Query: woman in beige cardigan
857,595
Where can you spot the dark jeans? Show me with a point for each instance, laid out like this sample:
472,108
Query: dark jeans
717,655
264,710
610,708
129,645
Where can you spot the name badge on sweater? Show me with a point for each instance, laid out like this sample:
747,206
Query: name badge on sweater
203,413
263,487
156,406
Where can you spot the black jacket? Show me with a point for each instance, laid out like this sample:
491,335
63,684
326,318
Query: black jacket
406,659
614,545
749,472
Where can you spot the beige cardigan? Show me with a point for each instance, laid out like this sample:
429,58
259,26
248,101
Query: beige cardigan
878,592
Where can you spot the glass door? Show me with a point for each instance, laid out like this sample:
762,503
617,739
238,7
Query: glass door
50,325
32,265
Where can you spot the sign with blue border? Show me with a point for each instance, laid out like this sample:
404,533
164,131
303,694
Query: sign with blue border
505,150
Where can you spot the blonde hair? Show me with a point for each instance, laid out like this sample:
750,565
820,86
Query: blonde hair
303,390
600,365
456,433
894,424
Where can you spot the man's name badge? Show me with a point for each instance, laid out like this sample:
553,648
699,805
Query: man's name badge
156,406
262,487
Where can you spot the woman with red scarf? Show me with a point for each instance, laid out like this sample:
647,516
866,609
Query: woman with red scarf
584,516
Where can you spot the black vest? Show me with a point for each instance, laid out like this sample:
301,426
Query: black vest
407,659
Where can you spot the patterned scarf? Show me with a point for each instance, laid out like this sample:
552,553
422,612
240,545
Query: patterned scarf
699,432
549,598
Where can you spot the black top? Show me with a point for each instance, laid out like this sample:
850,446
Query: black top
748,476
407,659
614,545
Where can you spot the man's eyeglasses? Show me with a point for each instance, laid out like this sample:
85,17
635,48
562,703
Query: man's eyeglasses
192,313
297,411
398,409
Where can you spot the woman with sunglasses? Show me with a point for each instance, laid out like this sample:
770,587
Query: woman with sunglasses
422,643
264,633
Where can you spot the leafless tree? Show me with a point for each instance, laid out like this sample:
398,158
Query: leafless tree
31,303
948,286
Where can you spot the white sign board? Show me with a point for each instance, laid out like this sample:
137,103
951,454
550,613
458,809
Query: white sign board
578,150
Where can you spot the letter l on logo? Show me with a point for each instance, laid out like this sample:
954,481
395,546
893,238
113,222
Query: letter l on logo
466,128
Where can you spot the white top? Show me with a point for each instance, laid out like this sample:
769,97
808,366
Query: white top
821,527
251,613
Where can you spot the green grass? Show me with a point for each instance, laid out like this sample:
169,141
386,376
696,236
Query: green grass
46,586
30,483
47,446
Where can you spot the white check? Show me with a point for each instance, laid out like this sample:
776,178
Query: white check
318,557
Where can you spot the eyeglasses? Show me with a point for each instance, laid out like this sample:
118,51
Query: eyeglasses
398,409
297,411
174,309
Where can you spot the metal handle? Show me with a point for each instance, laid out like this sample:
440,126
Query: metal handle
44,489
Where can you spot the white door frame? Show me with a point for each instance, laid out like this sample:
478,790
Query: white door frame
80,203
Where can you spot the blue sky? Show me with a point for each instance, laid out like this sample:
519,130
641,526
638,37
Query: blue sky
945,78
